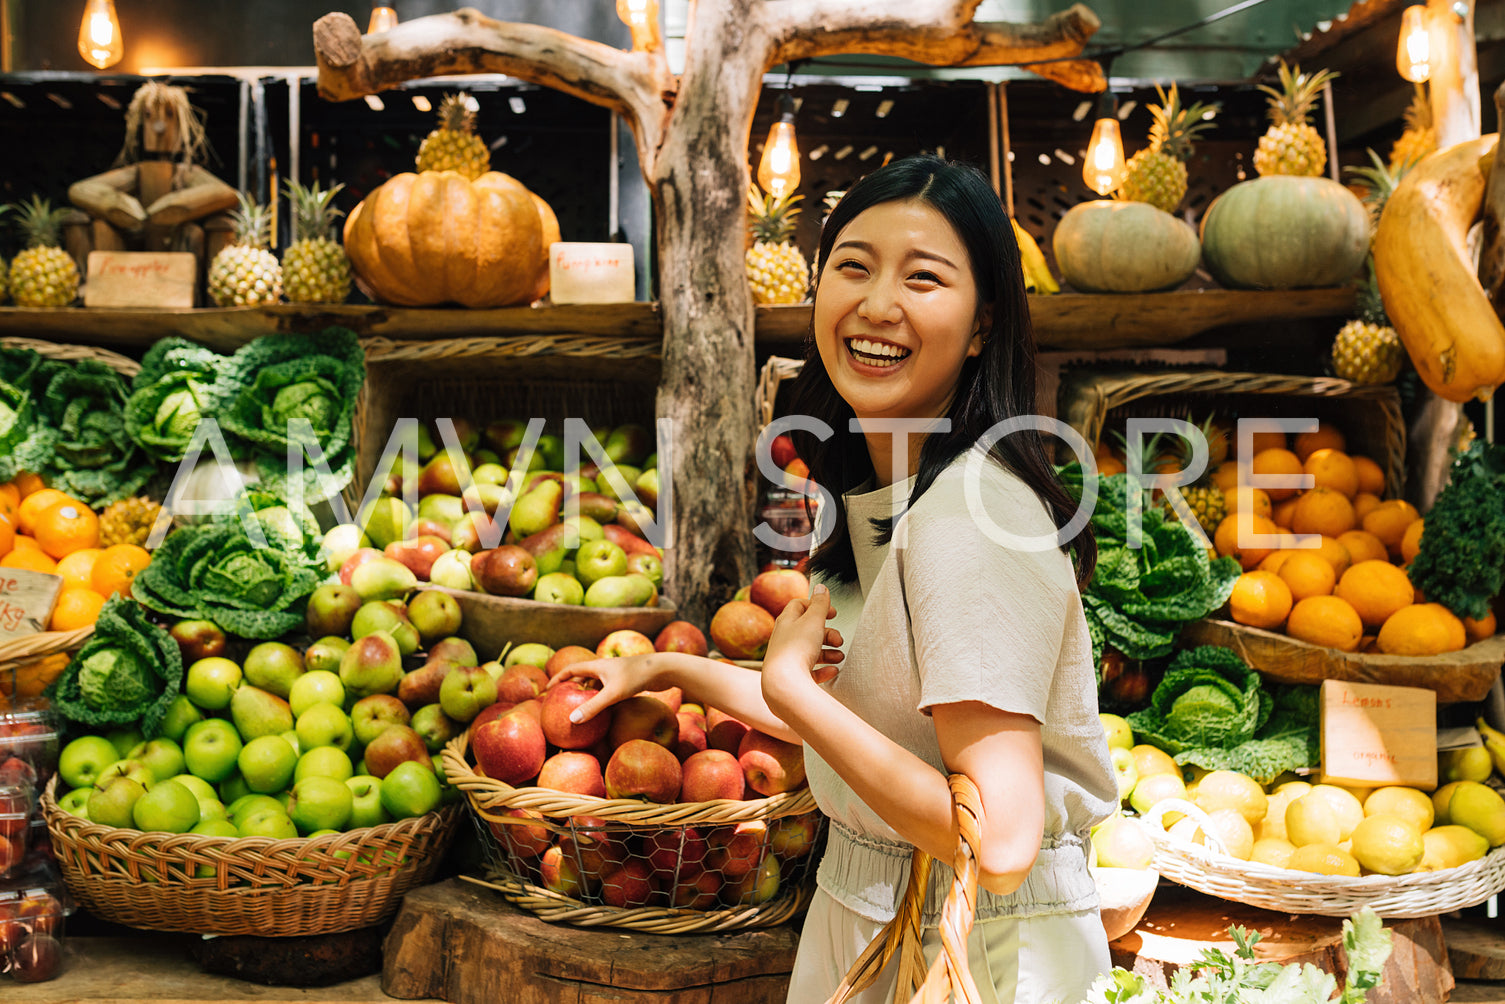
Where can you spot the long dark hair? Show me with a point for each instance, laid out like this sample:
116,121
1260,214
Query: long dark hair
996,384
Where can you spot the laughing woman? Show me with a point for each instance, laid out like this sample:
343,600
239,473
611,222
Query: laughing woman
947,571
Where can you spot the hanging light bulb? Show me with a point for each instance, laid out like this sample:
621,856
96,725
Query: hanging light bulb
641,18
1103,167
1413,53
383,17
99,34
779,170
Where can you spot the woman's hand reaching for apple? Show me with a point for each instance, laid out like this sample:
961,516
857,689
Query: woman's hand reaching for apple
620,678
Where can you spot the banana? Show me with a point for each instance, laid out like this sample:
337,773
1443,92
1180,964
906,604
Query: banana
1494,741
1426,275
1037,275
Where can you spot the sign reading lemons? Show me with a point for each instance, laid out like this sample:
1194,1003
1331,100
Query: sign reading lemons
1375,735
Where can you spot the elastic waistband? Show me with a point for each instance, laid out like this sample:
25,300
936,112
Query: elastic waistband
868,876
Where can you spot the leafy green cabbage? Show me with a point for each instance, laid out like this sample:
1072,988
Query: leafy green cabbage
175,388
127,673
90,455
1461,563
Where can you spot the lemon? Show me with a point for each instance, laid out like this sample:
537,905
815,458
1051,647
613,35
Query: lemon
1120,735
1478,807
1325,859
1471,764
1388,845
1284,778
1233,831
1449,847
1155,788
1153,760
1409,804
1122,842
1298,786
1311,819
1227,789
1360,794
1272,851
1440,799
1349,810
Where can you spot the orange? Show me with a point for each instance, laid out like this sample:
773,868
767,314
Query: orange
24,542
1260,600
75,608
1323,510
1108,466
26,483
1263,441
1376,589
1277,462
1365,503
7,535
1422,629
10,498
1389,521
1226,476
1336,554
1325,438
33,505
1479,630
1326,620
116,568
1275,559
1371,476
1410,542
1255,499
28,558
77,569
1226,541
1308,574
67,527
1333,469
1284,512
1362,546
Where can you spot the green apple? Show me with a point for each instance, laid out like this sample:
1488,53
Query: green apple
532,653
211,682
234,787
84,759
220,827
167,807
448,793
125,740
267,822
181,713
210,749
133,769
1124,770
273,666
291,735
76,802
247,804
267,764
211,808
320,803
559,587
324,761
161,756
365,807
315,686
1120,733
112,805
411,789
323,656
324,724
201,789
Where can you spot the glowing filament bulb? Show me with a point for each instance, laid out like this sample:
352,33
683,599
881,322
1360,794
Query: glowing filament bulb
641,17
1413,55
779,170
99,34
1103,168
383,18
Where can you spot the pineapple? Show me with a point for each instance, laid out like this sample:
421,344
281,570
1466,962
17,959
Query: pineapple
1367,349
44,275
454,146
4,268
1157,174
775,268
129,521
246,274
1291,145
314,267
1420,138
1205,499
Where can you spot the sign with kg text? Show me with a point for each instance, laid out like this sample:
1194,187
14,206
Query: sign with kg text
26,600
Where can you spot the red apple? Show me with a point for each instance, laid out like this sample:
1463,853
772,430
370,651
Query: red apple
509,748
691,737
418,553
701,891
782,451
796,473
709,775
631,883
678,851
641,768
741,630
563,698
561,873
533,708
623,643
573,772
642,717
528,838
631,543
521,682
356,560
758,886
487,714
772,590
737,850
771,765
508,570
567,656
723,732
394,745
596,844
792,837
681,636
673,697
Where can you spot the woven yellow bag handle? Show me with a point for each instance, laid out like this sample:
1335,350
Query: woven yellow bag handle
950,973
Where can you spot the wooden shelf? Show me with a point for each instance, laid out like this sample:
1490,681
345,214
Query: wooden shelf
1063,321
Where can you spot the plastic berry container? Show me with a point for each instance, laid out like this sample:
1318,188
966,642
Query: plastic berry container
16,803
33,909
28,744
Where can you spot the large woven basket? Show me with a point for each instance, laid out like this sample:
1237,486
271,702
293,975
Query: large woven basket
24,664
490,800
1421,894
255,885
1091,400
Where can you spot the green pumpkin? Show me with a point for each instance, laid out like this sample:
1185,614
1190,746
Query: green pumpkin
1108,246
1284,232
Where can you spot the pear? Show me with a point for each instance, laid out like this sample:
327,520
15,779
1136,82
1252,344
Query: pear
386,519
325,654
331,609
436,615
440,476
613,591
383,579
257,713
385,615
532,654
426,445
456,650
598,507
441,508
273,666
551,448
537,509
628,444
1478,807
504,434
373,665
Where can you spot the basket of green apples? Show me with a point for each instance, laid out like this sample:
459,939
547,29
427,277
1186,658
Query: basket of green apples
265,799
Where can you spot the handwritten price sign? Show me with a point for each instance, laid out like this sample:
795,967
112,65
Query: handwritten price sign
26,601
1374,735
140,279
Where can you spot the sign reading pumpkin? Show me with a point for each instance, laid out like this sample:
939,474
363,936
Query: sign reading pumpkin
419,240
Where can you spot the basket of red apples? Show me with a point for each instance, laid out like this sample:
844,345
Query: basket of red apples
658,815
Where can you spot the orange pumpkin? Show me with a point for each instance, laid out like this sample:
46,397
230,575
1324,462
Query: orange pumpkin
436,237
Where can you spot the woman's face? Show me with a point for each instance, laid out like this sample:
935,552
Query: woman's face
897,312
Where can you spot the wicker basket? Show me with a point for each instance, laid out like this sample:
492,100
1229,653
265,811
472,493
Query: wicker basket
258,885
1370,415
1421,894
22,660
491,800
775,371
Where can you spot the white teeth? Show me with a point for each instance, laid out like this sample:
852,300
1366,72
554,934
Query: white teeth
877,353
